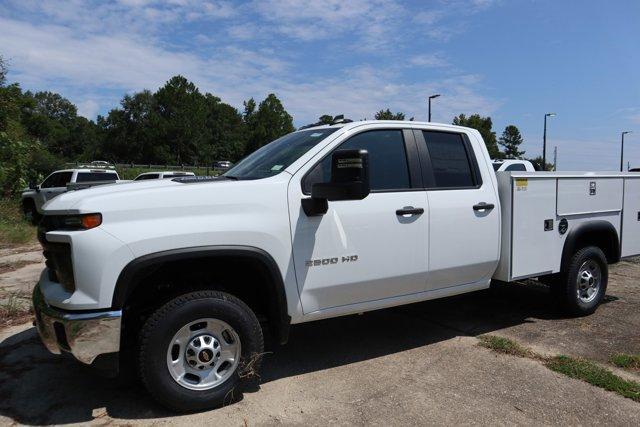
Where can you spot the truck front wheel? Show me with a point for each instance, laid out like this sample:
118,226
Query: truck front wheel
196,350
583,285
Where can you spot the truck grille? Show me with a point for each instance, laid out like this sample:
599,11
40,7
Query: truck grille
57,255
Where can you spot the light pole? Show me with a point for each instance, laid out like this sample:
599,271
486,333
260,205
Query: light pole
622,149
544,141
430,98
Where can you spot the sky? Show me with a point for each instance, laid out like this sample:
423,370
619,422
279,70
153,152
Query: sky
513,60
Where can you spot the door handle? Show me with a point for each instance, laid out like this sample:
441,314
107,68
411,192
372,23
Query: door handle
482,206
409,210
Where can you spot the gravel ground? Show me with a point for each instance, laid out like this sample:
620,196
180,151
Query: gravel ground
418,364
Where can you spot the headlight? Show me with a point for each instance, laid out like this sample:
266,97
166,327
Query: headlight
82,222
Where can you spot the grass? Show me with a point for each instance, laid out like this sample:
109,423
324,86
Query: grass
15,309
14,229
626,361
581,369
594,374
505,346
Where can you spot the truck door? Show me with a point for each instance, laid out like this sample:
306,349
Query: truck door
363,250
55,184
464,211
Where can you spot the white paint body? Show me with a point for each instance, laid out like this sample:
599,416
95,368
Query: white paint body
450,249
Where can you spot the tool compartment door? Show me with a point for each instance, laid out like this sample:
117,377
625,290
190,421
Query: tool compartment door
536,245
631,218
589,195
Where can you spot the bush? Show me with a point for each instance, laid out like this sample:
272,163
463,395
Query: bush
14,229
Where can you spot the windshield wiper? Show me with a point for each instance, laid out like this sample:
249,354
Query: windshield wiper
234,178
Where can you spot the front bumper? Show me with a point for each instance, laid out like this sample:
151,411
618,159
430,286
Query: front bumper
85,335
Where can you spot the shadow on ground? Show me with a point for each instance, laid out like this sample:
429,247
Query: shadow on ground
39,388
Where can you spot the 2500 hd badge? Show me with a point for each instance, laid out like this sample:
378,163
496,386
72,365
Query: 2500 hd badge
329,261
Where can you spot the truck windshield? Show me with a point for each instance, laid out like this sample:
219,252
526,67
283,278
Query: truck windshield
276,156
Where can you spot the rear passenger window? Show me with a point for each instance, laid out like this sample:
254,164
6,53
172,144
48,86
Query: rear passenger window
450,160
516,167
95,176
388,168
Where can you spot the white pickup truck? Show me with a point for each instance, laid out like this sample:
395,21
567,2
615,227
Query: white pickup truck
184,275
34,197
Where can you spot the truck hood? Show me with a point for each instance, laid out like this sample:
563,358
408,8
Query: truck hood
157,195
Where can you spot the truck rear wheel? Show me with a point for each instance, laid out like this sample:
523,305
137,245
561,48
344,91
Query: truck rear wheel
196,350
583,285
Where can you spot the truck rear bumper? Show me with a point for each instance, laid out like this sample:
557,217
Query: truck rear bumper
86,335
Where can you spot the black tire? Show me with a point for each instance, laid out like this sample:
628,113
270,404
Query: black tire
160,328
566,289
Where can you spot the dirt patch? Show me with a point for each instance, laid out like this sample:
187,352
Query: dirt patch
5,268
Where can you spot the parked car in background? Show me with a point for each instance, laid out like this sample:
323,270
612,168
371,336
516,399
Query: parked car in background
161,175
513,165
223,164
58,182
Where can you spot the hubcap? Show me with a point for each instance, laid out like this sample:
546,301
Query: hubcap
588,281
203,354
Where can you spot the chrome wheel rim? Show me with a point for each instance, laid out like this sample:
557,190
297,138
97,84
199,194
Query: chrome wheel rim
203,354
588,281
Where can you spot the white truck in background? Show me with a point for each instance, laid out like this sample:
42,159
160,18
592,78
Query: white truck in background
61,181
513,165
161,175
324,222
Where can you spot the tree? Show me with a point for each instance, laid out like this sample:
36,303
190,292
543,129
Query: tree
182,115
388,115
131,133
537,163
482,125
325,119
269,122
510,142
228,136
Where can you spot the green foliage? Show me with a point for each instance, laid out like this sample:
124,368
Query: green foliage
269,122
504,345
325,119
626,361
388,115
510,141
538,161
593,374
483,125
14,229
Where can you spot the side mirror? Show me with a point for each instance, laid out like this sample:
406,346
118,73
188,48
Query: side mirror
349,181
34,186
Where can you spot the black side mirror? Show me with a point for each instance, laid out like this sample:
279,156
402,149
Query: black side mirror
349,181
33,186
